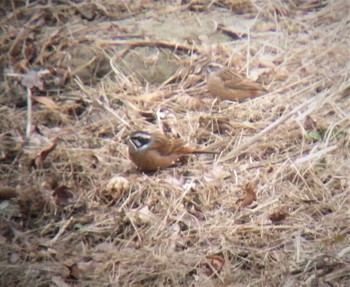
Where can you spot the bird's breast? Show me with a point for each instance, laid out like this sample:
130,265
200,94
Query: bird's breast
152,160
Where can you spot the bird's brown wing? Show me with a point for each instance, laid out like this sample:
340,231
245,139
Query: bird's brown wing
227,74
166,146
235,81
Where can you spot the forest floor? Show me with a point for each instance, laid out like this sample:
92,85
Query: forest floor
272,209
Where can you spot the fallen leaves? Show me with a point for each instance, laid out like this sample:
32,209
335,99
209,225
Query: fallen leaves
213,265
48,102
250,195
278,215
39,146
41,156
62,195
32,79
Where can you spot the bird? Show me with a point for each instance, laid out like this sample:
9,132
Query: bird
227,84
153,151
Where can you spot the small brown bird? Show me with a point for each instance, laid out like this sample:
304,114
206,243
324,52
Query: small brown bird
226,84
151,152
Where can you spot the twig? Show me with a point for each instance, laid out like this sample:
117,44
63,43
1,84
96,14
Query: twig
316,155
29,112
62,230
142,43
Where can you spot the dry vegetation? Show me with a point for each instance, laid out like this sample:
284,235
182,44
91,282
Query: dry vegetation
79,76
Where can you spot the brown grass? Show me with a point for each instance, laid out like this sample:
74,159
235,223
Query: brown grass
271,210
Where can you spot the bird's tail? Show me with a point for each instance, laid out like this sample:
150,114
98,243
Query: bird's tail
205,152
193,150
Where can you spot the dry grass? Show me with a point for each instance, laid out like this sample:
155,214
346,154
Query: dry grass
74,211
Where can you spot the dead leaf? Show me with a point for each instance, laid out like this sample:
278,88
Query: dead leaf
82,267
250,195
309,123
48,102
213,264
269,169
39,145
32,79
279,215
45,152
62,194
75,271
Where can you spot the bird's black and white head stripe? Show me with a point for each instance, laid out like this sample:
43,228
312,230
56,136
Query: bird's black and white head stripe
140,139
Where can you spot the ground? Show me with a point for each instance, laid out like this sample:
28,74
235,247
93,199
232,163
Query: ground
272,209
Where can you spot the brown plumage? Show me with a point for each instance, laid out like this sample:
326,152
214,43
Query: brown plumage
155,151
226,84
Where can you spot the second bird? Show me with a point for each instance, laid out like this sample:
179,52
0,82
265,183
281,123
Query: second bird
227,84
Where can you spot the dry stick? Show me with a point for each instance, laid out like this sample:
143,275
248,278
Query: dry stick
29,96
62,229
167,81
142,43
275,124
82,67
316,155
29,112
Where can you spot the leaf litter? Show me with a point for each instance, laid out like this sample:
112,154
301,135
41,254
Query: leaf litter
79,77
